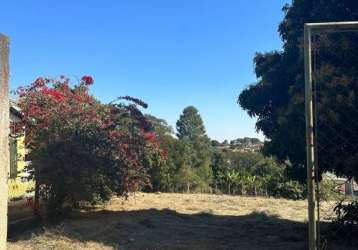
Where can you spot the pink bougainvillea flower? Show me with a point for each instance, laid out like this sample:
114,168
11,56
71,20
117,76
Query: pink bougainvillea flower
34,110
53,93
150,136
87,80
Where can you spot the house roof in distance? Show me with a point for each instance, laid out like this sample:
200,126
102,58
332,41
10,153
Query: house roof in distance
14,109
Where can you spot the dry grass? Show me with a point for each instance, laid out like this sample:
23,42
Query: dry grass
179,221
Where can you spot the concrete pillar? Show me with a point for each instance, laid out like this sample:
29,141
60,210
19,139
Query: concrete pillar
4,136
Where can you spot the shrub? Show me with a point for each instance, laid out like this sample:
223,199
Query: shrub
291,190
345,227
81,149
328,190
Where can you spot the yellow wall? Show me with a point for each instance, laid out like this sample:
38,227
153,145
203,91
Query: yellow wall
18,187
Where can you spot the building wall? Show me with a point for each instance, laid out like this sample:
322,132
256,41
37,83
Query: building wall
20,186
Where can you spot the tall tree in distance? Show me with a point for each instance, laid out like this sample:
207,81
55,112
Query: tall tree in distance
190,125
191,130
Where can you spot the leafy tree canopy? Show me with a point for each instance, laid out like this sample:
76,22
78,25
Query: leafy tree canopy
277,98
190,125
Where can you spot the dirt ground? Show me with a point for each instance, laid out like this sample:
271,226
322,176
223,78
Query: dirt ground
179,221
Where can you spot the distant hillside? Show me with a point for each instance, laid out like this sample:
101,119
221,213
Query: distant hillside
245,144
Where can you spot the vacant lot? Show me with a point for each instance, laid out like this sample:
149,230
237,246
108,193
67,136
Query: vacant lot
179,221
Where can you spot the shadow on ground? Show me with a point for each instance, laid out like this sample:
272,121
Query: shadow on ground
167,229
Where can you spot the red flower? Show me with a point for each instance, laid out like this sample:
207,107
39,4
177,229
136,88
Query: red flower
164,153
33,110
87,80
150,136
53,93
113,134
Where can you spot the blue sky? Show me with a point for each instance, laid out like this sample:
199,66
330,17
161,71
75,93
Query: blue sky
170,54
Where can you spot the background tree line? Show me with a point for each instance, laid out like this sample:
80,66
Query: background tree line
194,163
82,151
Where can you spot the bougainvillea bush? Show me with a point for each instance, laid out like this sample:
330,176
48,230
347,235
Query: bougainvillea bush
82,150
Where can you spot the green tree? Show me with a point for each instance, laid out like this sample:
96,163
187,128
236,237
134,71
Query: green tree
215,143
217,162
190,125
218,165
160,126
229,177
277,99
160,167
185,178
191,130
252,174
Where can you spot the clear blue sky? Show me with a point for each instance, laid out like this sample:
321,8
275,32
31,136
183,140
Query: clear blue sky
170,53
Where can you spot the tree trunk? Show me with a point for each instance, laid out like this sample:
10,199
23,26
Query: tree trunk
4,137
229,188
188,187
37,198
